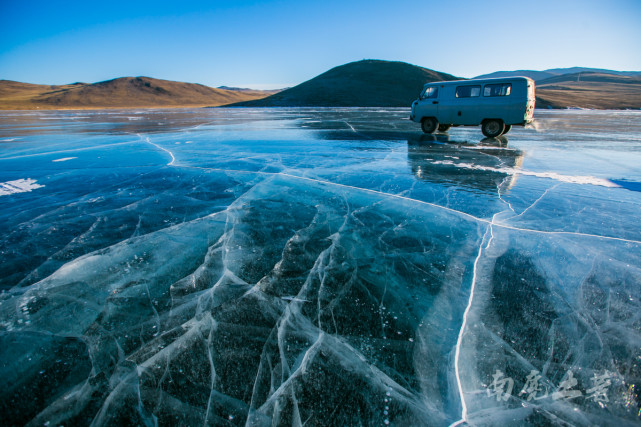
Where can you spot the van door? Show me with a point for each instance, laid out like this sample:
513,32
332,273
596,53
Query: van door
447,106
461,107
428,103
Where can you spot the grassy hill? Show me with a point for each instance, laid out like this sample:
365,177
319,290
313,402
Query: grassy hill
367,83
590,90
124,92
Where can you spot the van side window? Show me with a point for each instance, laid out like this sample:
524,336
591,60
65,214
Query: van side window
430,92
467,91
499,89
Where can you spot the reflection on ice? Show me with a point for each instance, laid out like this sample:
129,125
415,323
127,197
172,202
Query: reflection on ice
325,267
489,163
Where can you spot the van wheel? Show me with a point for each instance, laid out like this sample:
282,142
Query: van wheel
444,128
507,129
429,124
492,128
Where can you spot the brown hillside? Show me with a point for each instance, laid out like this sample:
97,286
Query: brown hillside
589,90
125,92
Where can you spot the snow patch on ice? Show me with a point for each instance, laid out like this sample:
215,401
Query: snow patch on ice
18,186
64,159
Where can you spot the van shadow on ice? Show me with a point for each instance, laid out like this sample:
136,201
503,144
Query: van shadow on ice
412,137
436,159
446,138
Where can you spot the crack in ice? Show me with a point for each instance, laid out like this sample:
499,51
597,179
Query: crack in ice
148,141
464,324
71,150
537,200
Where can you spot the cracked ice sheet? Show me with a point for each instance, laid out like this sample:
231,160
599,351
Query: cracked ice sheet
86,211
150,180
202,327
560,306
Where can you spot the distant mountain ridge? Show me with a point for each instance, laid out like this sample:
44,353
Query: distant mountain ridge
366,83
555,72
245,89
123,92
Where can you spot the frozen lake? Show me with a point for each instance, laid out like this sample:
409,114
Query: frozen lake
318,267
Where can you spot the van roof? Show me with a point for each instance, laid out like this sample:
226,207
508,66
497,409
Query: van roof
481,81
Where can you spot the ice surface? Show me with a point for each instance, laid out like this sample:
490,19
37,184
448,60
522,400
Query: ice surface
318,267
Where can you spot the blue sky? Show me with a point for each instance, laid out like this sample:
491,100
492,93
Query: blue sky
269,44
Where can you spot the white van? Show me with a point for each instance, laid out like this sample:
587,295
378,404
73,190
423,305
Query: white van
495,104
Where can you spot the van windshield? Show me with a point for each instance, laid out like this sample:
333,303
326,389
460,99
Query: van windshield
430,92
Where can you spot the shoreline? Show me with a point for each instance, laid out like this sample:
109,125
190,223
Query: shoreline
199,106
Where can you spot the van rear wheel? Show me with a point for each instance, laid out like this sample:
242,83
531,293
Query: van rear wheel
507,129
444,128
429,124
492,128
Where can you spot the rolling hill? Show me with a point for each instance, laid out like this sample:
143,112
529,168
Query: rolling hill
124,92
367,83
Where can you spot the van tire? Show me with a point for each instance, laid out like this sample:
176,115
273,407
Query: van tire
429,124
492,128
444,128
507,129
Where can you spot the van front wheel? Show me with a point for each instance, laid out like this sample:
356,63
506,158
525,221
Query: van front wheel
492,128
429,124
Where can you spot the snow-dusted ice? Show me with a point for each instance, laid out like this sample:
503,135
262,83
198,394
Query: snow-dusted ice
318,267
